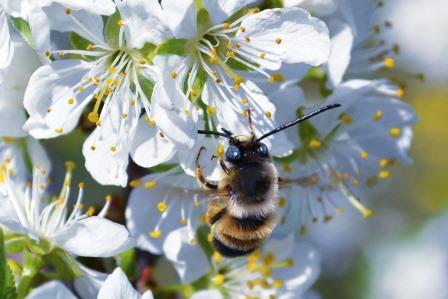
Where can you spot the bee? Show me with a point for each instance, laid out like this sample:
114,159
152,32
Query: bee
242,211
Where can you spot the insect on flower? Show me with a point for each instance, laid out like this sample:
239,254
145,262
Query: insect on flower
241,209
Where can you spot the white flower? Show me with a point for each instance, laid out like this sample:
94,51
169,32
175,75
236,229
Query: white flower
283,269
221,58
6,46
14,144
32,12
116,286
116,75
30,213
319,7
346,151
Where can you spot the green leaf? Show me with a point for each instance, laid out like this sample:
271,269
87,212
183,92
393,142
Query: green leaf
198,84
64,263
7,284
127,262
175,46
15,243
202,236
78,42
147,86
202,16
112,29
149,51
236,65
24,29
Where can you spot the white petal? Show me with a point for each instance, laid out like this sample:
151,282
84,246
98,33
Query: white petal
319,7
51,87
90,283
341,46
181,252
149,148
102,7
8,217
52,289
112,141
12,120
221,10
304,39
40,30
87,24
215,294
145,22
94,237
181,17
6,46
117,286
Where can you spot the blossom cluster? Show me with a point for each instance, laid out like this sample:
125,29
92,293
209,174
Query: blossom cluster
139,78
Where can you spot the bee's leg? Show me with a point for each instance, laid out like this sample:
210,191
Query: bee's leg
224,166
200,176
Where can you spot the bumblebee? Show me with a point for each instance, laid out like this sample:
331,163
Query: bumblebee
241,212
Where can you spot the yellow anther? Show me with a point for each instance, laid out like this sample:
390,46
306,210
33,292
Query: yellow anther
92,147
183,221
244,101
313,180
286,167
173,75
113,149
135,183
250,284
278,40
89,47
265,271
186,112
384,174
192,242
142,61
90,211
268,114
211,110
108,197
226,25
210,237
346,119
371,182
378,115
213,59
314,144
111,69
340,211
328,218
343,175
254,10
162,206
389,63
229,45
277,283
70,165
238,45
376,29
124,115
282,202
49,110
155,234
364,154
218,279
93,117
252,266
303,230
230,54
220,150
399,92
121,22
268,258
150,184
244,114
262,55
68,11
243,29
314,220
276,78
289,262
395,132
47,54
8,139
247,39
151,122
81,88
355,182
217,257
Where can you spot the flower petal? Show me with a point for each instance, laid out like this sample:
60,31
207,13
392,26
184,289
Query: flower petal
149,148
289,35
221,10
102,7
51,98
207,294
6,46
319,7
181,250
144,22
90,283
181,17
40,30
94,237
117,286
52,289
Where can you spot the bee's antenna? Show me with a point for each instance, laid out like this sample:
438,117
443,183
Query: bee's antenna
205,132
226,131
297,121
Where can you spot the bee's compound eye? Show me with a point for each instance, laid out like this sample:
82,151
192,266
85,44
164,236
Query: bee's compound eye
262,149
233,153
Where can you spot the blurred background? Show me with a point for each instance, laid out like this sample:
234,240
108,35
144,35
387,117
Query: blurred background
402,251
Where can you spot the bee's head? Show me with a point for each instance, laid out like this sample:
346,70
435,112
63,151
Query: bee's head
244,149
